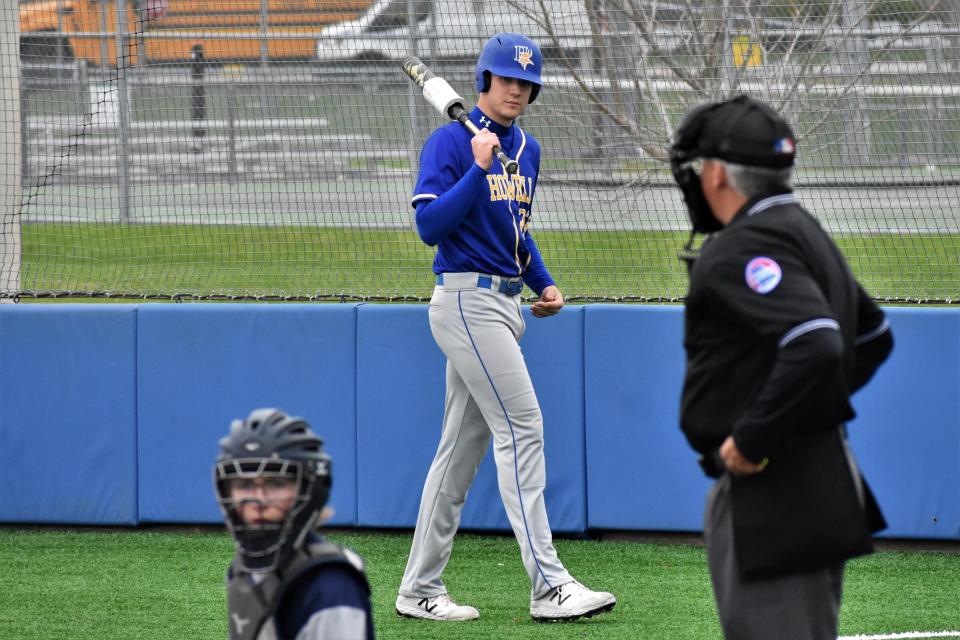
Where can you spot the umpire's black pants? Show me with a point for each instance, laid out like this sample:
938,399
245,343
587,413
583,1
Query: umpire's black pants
802,606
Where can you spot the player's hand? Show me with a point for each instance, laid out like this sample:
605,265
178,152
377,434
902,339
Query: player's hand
549,304
735,461
482,145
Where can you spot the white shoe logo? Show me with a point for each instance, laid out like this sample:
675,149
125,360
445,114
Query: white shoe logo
239,623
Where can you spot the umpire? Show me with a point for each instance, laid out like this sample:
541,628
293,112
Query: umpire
778,335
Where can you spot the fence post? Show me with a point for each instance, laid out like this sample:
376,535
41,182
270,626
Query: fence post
82,83
266,106
24,136
11,144
232,133
198,94
413,105
855,151
936,105
123,141
104,39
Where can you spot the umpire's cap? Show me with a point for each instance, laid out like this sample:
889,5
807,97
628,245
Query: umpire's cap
510,55
742,131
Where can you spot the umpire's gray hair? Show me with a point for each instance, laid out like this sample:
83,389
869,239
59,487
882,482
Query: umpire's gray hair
751,182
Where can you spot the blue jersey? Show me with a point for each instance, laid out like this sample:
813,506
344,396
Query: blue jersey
480,220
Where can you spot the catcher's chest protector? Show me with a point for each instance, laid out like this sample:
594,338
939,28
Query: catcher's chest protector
251,605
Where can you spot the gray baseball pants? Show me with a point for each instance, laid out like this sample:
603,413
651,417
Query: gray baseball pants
489,393
800,606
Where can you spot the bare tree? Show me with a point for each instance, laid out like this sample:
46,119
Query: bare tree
647,61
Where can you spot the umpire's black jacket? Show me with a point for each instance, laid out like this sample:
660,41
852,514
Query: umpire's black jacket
778,335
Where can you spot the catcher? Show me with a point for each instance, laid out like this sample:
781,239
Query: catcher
272,480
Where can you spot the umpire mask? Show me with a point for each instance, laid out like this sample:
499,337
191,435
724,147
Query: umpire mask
741,131
683,152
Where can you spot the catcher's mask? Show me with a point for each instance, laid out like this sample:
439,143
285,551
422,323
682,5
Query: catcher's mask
742,131
259,460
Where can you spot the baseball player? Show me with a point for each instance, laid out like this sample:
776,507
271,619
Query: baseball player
478,217
272,480
779,334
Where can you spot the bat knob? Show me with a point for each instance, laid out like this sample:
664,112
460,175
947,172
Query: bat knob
512,167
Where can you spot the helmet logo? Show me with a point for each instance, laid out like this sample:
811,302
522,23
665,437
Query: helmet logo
523,55
253,445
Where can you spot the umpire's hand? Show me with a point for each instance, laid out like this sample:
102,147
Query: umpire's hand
549,304
736,462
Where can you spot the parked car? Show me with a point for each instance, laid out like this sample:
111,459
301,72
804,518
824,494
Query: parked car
450,28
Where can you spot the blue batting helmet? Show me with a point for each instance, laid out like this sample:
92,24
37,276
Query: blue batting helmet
510,55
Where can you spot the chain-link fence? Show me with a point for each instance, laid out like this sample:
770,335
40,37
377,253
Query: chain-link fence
268,148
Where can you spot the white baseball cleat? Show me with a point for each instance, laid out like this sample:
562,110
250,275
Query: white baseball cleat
571,601
440,607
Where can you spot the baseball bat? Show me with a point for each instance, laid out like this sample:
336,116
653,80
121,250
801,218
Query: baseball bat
444,99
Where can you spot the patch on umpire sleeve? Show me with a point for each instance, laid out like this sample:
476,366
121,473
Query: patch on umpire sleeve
763,274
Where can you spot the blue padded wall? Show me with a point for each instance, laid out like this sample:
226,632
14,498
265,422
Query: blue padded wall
203,365
907,432
554,349
121,406
68,414
400,387
641,473
399,409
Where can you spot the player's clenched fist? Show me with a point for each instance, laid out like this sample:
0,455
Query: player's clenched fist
483,144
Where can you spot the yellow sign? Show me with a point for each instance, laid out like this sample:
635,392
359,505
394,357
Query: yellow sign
746,53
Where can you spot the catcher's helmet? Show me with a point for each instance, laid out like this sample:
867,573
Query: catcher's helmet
271,444
510,55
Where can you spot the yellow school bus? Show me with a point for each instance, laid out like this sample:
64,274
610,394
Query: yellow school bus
167,30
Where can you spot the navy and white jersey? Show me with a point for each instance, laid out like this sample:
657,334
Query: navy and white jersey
329,602
321,592
480,220
768,295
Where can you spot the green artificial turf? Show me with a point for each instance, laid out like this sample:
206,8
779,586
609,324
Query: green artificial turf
163,584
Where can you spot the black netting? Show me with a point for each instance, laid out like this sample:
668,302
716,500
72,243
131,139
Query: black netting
268,148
